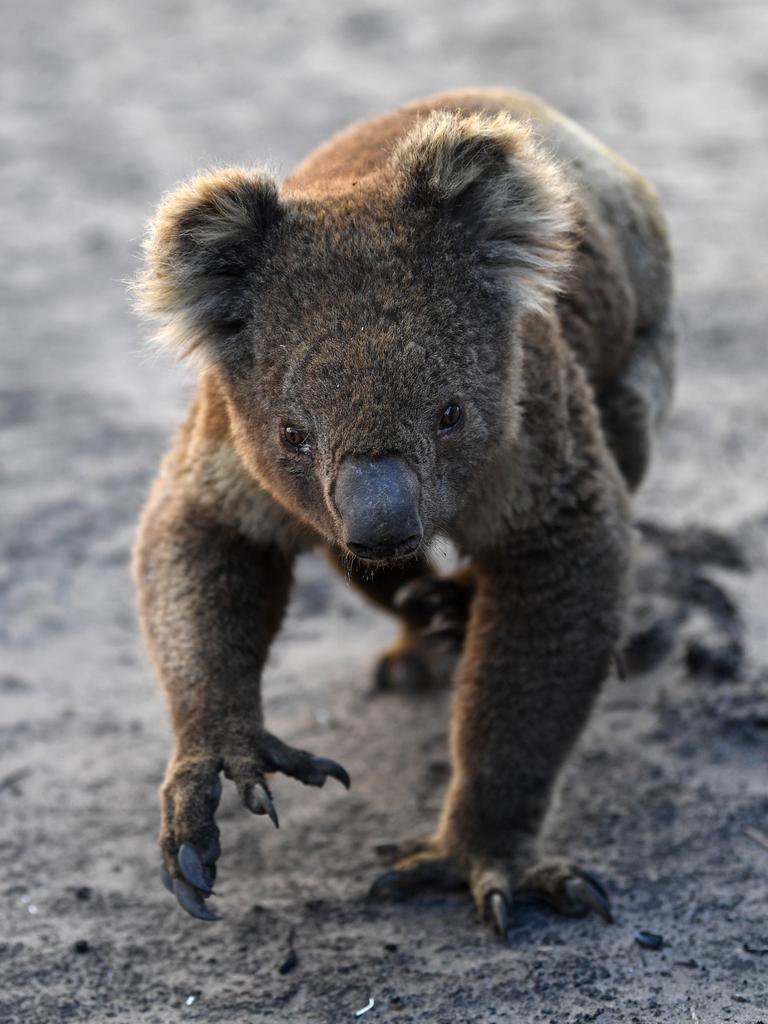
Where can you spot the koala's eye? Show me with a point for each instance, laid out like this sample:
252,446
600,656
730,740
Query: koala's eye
296,438
449,418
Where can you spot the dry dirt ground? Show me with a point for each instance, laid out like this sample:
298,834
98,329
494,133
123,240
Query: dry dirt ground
104,105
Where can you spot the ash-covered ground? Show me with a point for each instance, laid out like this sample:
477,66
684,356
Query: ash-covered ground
103,107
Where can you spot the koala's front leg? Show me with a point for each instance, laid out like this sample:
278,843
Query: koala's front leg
544,621
211,601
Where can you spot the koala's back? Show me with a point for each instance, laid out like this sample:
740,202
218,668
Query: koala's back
621,283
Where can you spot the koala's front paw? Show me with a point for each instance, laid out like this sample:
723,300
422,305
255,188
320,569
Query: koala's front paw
189,836
492,881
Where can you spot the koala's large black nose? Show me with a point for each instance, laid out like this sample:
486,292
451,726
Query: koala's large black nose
378,500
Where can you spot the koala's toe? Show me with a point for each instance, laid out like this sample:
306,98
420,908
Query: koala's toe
422,865
192,900
490,883
258,800
568,889
301,764
496,910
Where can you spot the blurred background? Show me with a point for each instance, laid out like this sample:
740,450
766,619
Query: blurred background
105,106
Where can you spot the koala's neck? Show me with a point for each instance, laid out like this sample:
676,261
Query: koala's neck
558,463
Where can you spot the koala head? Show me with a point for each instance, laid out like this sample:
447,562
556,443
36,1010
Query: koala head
366,331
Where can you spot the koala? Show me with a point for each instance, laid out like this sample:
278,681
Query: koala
453,321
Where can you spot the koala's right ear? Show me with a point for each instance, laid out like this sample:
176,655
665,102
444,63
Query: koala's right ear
202,249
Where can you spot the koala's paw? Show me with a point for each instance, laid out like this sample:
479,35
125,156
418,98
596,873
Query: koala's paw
189,836
493,883
415,663
424,656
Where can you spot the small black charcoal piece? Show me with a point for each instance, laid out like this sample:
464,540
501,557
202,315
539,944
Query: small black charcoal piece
290,962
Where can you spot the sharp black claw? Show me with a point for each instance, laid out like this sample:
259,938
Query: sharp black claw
332,768
192,868
587,891
166,878
259,801
497,909
189,899
391,885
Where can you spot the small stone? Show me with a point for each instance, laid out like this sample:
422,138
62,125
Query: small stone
649,940
81,946
83,892
720,662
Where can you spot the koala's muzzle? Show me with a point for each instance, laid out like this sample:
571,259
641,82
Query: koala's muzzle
378,500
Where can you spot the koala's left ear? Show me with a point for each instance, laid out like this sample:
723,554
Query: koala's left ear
486,172
202,249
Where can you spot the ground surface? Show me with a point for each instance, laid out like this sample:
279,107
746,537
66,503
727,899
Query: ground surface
104,106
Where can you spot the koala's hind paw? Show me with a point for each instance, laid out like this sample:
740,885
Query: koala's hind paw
434,603
189,837
434,611
493,883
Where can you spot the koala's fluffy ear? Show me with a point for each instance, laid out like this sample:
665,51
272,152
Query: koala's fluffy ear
202,249
487,172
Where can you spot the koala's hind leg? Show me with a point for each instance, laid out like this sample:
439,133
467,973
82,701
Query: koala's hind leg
634,405
432,609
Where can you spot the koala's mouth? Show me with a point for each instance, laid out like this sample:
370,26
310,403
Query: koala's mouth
386,552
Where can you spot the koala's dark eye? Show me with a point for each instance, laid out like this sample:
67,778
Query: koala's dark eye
296,438
449,418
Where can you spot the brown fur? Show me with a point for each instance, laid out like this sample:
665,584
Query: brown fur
473,247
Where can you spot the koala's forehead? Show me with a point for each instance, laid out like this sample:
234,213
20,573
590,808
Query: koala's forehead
334,271
362,309
371,280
